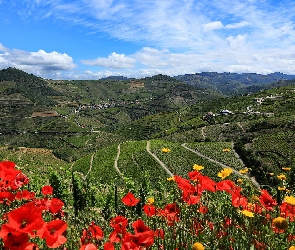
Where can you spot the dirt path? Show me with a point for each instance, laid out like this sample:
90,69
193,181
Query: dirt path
240,126
148,149
252,180
90,165
116,160
203,133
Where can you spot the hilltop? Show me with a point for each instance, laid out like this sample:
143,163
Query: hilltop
76,119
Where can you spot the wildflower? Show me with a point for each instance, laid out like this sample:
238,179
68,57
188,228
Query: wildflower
53,233
25,219
280,223
292,248
247,213
290,200
130,200
239,181
281,188
197,167
286,168
224,173
267,200
171,178
244,171
271,174
47,190
198,246
149,210
165,150
226,150
282,177
150,201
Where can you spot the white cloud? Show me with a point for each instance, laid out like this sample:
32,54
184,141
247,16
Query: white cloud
114,60
3,48
36,62
212,26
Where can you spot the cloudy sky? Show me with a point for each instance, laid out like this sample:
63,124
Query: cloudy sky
91,39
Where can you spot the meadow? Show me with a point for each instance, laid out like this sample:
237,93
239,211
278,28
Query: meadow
123,197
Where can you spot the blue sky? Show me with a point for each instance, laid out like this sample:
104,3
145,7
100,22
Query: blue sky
91,39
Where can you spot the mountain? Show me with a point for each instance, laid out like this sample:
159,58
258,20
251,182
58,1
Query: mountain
233,83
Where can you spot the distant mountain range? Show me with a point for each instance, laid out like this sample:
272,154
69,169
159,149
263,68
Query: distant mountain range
234,83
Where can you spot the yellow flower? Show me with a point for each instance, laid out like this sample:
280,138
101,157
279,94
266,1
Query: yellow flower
171,179
224,173
165,150
286,169
255,198
239,181
226,150
292,248
282,177
197,167
150,200
290,200
271,174
280,223
198,246
244,171
247,213
281,188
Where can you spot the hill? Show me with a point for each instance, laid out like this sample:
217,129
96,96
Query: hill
83,117
233,83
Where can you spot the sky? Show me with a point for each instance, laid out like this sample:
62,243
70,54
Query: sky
93,39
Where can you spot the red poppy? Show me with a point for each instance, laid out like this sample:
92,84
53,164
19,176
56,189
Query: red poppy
204,182
55,205
24,195
7,165
140,227
266,200
130,200
159,233
6,197
108,246
26,219
17,241
52,233
21,179
239,200
144,239
92,232
170,212
227,186
119,224
287,210
47,190
149,210
89,246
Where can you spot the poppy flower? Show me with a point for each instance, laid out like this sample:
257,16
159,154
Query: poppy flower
140,227
89,246
52,233
24,195
47,190
108,246
55,205
17,240
21,179
130,200
149,210
26,219
266,200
